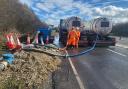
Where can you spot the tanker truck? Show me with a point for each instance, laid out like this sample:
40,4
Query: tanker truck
66,24
100,26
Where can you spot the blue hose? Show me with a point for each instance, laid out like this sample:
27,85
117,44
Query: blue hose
86,51
74,55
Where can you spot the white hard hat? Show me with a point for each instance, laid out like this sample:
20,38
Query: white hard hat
77,27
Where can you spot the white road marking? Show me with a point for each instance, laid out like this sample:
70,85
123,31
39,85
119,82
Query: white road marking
76,74
117,53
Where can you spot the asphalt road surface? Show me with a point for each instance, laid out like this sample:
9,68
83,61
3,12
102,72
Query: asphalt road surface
103,68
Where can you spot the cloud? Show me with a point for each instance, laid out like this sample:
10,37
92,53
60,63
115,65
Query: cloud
51,11
117,14
111,11
120,19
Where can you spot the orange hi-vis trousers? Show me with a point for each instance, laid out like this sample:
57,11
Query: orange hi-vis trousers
71,42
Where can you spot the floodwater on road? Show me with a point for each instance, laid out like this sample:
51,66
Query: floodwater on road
56,39
103,69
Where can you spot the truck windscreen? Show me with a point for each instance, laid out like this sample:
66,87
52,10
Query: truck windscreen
76,23
104,24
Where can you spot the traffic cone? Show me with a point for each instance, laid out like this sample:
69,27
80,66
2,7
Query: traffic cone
18,42
7,37
36,37
8,40
11,42
11,39
47,40
42,42
28,39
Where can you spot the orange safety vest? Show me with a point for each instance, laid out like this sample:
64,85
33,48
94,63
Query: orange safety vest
78,34
72,34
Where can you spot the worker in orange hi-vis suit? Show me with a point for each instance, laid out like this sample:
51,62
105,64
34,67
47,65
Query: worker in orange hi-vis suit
72,36
71,40
78,36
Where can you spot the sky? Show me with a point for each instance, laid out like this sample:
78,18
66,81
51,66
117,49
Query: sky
51,11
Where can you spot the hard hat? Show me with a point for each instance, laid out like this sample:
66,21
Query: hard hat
77,27
73,27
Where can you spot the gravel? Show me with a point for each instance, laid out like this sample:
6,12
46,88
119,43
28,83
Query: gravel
32,68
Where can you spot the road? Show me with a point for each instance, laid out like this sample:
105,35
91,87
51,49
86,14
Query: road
103,68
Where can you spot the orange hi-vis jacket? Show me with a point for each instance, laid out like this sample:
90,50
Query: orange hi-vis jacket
78,34
72,36
78,37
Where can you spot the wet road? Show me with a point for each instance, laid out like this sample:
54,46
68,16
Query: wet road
104,68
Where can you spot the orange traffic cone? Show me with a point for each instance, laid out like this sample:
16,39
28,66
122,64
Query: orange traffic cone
36,38
47,40
28,39
18,43
7,37
11,42
8,40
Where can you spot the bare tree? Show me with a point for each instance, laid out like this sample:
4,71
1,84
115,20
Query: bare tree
14,15
120,29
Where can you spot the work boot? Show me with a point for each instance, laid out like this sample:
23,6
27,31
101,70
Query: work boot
72,47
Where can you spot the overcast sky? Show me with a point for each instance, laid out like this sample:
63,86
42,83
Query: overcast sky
51,11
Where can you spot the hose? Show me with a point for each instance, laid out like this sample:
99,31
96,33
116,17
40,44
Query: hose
84,52
74,55
3,65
